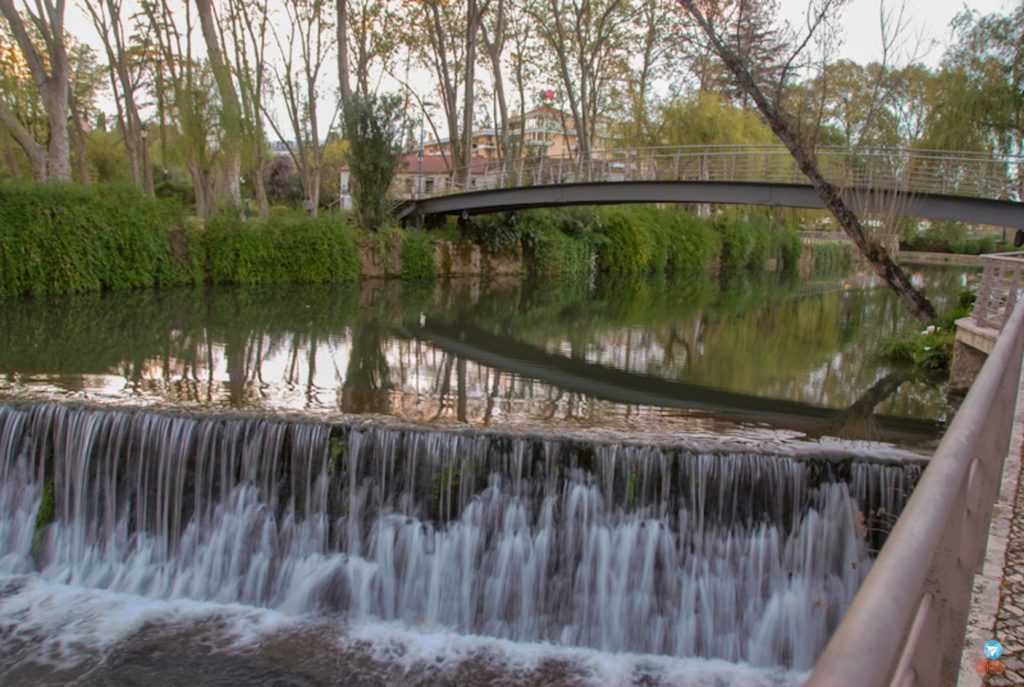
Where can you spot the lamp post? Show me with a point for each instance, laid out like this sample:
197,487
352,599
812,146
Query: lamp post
423,118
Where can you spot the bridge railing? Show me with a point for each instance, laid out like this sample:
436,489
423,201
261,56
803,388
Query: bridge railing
907,169
906,624
999,289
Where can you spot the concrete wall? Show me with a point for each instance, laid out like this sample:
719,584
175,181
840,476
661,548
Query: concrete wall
970,350
383,258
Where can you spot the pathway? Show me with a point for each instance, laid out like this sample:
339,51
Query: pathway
997,605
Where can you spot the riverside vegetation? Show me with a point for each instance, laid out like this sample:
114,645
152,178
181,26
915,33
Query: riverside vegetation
66,238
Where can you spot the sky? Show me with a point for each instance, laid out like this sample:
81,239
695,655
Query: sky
928,20
928,25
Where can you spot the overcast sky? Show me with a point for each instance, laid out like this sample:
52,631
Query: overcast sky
928,20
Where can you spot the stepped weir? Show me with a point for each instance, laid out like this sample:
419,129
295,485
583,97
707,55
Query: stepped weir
670,549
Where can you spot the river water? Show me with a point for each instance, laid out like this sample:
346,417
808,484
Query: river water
750,358
651,483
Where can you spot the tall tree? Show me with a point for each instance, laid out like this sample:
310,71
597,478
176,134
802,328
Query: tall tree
341,25
49,69
373,38
474,16
762,73
185,92
303,50
986,68
249,29
586,42
435,32
107,17
230,108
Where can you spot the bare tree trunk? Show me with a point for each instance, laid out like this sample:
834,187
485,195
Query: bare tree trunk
33,151
342,28
472,26
78,140
231,117
50,76
106,18
495,48
11,159
875,254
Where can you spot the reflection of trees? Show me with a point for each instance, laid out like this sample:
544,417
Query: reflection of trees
858,419
366,385
271,346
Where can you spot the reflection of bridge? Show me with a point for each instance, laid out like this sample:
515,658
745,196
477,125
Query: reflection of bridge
633,388
948,185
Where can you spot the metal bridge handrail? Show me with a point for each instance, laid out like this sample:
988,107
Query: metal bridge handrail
999,289
906,624
906,171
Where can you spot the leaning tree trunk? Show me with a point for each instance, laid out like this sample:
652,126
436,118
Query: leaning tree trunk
875,254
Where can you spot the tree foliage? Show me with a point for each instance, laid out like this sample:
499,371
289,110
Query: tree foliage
373,126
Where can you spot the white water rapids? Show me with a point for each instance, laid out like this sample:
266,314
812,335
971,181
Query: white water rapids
547,547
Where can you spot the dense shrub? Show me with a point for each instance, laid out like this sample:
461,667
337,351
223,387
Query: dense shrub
750,241
61,238
418,260
292,248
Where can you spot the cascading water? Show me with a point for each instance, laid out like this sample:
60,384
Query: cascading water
661,550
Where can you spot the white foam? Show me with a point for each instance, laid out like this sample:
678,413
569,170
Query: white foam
69,626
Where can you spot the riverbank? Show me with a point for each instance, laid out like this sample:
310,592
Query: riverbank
66,239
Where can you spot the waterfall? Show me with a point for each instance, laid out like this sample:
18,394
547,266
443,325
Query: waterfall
656,549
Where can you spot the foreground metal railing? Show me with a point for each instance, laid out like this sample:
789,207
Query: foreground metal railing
906,624
999,289
908,170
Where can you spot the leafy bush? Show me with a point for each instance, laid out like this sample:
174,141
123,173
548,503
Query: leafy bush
60,238
283,249
749,241
418,260
373,128
494,232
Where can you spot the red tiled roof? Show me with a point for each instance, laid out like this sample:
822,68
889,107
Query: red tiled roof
440,164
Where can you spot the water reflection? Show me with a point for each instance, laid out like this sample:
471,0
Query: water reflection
655,354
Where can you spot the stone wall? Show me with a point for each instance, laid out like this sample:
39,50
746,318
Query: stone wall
383,258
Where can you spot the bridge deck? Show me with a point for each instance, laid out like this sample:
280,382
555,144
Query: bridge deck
865,201
949,185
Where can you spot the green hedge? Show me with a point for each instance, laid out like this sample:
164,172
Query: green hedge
65,238
295,249
61,238
647,239
750,241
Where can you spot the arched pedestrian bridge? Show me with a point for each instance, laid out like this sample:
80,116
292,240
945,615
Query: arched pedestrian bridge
944,185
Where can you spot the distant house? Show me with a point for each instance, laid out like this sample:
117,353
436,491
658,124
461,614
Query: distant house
435,176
